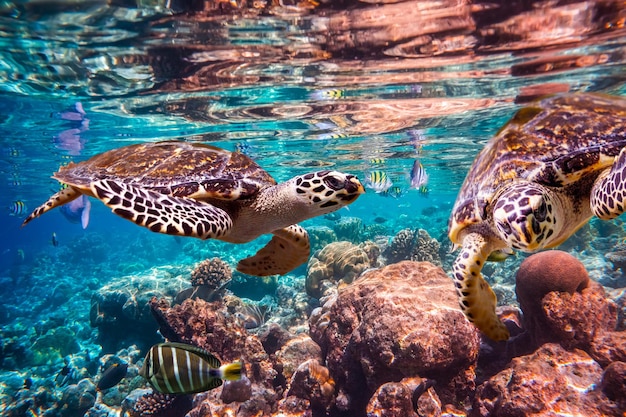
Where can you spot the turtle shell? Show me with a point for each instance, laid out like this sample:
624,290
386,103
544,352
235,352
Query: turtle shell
176,168
562,141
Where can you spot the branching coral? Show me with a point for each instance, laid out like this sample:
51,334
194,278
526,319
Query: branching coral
156,404
414,245
211,272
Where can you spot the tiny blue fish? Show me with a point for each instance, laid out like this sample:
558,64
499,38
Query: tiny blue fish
419,177
378,181
17,208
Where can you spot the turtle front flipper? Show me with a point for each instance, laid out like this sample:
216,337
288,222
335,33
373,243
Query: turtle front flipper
288,249
58,199
477,299
608,195
163,213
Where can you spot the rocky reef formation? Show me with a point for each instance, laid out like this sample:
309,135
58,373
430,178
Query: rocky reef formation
120,309
397,322
563,382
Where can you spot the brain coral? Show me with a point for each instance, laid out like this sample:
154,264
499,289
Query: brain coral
337,261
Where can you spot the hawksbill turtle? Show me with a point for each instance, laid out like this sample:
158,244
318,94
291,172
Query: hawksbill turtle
190,189
552,167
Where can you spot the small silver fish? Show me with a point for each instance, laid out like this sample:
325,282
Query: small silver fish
419,177
378,181
179,368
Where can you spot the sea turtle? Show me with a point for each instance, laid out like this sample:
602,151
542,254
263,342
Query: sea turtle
552,167
191,189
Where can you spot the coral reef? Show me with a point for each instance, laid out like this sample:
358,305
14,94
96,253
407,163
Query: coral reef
413,245
338,261
120,310
320,236
207,326
400,321
349,229
540,274
563,382
312,383
145,402
209,279
211,272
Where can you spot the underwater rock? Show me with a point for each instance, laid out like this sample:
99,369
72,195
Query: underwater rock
312,382
240,390
338,261
617,257
613,383
400,321
392,399
121,311
274,337
563,382
608,347
54,345
413,245
76,399
576,320
297,351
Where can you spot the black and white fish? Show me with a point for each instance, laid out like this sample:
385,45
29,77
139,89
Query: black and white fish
179,368
419,177
378,181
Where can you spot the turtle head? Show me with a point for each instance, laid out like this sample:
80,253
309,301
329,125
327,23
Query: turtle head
524,216
326,191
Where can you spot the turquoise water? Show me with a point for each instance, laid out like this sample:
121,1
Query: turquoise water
297,88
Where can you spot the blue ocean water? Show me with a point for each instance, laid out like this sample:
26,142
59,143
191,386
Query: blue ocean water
298,88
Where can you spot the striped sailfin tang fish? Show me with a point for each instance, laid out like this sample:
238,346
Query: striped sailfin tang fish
179,368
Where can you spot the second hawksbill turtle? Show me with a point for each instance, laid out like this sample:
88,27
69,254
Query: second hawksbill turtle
191,189
552,167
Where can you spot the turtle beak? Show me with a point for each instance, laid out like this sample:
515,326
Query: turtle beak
354,186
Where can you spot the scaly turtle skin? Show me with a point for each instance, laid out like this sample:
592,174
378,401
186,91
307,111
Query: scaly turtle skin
552,167
190,189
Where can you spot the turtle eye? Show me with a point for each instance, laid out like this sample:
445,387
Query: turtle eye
541,212
333,182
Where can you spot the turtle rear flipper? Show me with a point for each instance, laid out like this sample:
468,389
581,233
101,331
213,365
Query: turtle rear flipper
608,195
58,199
163,213
288,249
